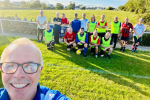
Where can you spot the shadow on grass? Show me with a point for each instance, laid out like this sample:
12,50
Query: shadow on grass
91,62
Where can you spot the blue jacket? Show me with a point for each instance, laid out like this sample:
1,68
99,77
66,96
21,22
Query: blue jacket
86,38
76,25
43,93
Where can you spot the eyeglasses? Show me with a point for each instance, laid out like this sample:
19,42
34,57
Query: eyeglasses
11,67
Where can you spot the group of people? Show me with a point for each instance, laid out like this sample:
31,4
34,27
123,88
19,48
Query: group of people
21,61
92,34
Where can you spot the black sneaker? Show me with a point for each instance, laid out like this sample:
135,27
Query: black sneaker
84,55
48,48
52,48
108,56
123,50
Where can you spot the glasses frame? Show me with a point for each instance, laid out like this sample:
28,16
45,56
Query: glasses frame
39,65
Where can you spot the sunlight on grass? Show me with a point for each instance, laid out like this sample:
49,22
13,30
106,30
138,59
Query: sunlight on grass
132,56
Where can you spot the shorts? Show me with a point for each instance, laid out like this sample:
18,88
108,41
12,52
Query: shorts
80,46
101,34
125,38
137,40
50,44
70,46
102,52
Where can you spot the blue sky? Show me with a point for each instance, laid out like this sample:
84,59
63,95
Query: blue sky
88,3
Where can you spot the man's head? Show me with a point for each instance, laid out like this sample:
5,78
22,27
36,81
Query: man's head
116,18
95,33
41,12
126,20
63,16
76,15
57,14
107,35
102,17
21,85
83,15
140,21
70,29
81,30
47,27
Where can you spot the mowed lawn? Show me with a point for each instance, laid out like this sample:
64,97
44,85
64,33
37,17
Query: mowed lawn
32,14
79,78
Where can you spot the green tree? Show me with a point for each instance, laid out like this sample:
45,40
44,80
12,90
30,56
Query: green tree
83,8
59,6
121,7
71,5
35,4
22,2
44,6
6,3
110,8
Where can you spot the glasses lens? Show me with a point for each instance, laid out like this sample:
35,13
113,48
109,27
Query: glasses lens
9,67
30,67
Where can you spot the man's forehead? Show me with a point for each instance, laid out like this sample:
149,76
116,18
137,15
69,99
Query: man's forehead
20,46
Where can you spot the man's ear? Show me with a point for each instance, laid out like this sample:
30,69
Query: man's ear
41,68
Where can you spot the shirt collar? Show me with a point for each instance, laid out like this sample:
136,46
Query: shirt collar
5,95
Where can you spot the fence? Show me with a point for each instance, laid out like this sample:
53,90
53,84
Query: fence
27,27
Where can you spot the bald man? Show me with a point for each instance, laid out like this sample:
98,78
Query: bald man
125,33
48,35
21,65
70,39
41,22
94,41
138,33
115,30
101,27
106,45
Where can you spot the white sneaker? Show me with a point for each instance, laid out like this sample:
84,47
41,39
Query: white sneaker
102,55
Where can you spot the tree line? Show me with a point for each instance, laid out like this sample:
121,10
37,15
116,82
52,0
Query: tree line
36,4
140,7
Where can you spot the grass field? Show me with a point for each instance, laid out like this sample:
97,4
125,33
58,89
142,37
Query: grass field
32,14
88,78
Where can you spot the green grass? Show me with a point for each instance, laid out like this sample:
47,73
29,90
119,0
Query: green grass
109,15
76,76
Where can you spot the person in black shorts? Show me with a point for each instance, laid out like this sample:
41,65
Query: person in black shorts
106,45
125,33
69,39
101,27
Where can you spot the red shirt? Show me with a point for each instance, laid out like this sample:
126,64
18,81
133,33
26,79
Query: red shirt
70,37
94,38
102,22
64,21
125,29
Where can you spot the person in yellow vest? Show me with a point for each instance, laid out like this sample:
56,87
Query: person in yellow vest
101,27
91,27
115,30
82,41
94,42
106,45
48,36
